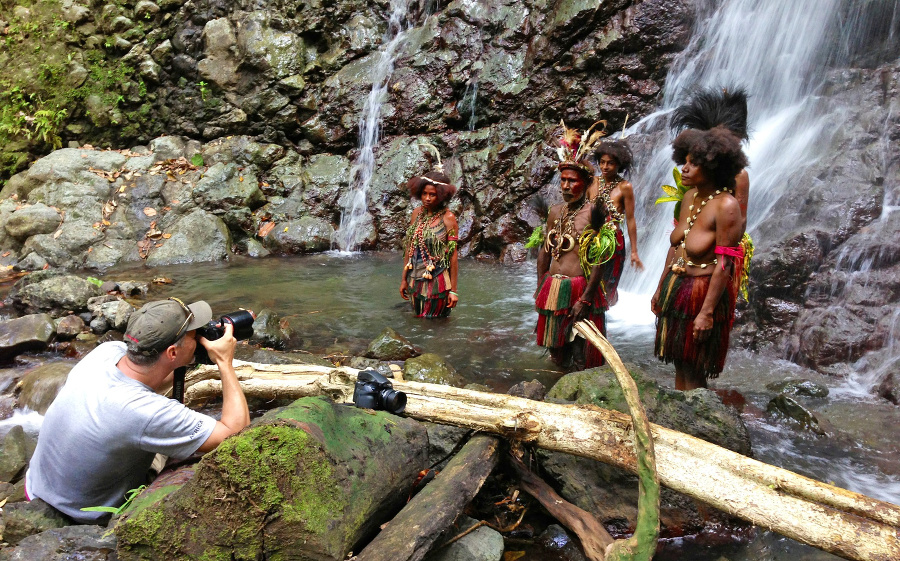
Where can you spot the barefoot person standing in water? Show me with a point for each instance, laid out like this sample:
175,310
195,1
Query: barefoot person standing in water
695,300
431,268
568,280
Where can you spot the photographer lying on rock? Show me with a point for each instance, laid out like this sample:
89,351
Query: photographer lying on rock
100,435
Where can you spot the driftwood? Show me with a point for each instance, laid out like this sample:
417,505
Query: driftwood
413,531
842,522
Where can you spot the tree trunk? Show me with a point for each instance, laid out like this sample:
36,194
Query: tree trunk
842,522
411,534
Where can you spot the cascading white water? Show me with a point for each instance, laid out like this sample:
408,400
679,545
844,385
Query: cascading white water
355,212
777,50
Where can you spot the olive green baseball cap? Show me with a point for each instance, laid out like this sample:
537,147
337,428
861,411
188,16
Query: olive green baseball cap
161,323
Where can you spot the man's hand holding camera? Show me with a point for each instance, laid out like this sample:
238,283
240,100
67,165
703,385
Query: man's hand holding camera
222,349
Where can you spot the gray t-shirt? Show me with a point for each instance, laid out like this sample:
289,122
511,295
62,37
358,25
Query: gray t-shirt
100,435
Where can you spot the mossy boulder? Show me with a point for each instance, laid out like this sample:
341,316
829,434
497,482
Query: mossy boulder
390,345
611,493
307,481
432,369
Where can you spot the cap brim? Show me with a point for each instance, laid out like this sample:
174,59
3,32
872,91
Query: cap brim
202,315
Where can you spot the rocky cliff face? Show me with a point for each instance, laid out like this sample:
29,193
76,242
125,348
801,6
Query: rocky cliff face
297,74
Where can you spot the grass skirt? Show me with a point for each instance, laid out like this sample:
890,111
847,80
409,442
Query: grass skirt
429,296
680,300
612,270
554,300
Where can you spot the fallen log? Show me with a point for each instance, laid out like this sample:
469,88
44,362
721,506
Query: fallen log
842,522
413,531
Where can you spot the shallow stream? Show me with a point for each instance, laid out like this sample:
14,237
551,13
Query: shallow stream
338,303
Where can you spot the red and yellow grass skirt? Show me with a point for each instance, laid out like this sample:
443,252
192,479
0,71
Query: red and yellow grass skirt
553,301
680,300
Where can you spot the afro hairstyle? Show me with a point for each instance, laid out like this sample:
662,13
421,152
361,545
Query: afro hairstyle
713,107
718,151
619,150
436,179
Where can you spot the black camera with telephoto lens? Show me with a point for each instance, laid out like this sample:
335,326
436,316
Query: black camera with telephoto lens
374,391
242,321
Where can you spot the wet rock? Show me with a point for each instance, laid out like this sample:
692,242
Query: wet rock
52,292
529,390
99,325
431,369
268,330
482,544
26,519
555,540
40,385
68,327
224,186
14,454
133,288
7,407
196,238
24,334
32,219
792,409
889,389
443,441
116,314
306,235
95,304
610,493
390,345
801,387
167,147
31,262
243,151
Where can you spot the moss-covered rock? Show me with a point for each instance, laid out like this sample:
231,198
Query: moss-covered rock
390,345
307,481
432,369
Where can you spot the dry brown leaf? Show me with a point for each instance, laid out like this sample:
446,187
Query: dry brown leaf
46,266
513,555
6,254
265,229
90,249
167,236
161,280
241,178
149,211
176,202
57,234
105,222
122,189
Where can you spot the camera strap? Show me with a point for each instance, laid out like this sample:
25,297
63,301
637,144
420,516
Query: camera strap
178,384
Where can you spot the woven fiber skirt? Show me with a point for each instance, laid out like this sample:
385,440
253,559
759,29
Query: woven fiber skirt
553,301
429,296
680,300
612,270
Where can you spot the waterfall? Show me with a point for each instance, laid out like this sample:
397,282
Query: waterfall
779,52
355,213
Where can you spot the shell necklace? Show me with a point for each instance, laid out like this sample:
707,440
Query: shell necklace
561,238
681,264
603,192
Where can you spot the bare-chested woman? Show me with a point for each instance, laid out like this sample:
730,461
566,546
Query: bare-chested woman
613,191
694,302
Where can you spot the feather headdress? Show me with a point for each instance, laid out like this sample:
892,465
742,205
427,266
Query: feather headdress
575,147
713,107
432,149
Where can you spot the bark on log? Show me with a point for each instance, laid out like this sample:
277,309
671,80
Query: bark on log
842,522
412,533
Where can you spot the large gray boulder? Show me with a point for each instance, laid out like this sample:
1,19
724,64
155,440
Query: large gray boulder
196,238
32,219
55,293
225,186
306,235
40,386
45,533
24,334
390,345
432,369
14,453
611,493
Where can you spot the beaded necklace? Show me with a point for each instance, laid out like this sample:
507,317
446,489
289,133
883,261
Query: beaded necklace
603,192
680,264
561,238
417,241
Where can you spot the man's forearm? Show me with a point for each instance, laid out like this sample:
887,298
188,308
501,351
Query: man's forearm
235,413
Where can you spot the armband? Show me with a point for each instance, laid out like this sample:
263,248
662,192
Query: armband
735,252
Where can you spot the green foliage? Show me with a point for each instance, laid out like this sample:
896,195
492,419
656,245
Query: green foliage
94,280
205,92
674,193
536,237
129,496
197,159
27,115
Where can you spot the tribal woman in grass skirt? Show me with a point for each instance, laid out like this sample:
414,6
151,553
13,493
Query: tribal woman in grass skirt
695,300
430,258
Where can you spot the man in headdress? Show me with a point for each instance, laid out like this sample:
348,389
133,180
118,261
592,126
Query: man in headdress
568,280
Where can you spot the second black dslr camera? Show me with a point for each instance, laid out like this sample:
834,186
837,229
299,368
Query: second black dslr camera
374,391
242,321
